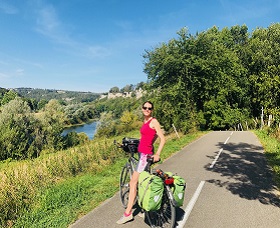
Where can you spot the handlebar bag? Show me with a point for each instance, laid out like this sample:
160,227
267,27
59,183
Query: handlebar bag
150,191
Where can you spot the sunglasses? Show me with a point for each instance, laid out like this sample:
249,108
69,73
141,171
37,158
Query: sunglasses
145,108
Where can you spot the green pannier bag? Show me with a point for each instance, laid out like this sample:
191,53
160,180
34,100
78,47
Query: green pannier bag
150,191
178,189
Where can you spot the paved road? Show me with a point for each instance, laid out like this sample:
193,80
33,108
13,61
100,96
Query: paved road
228,185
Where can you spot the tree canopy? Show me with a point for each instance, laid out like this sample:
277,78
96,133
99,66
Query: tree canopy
216,78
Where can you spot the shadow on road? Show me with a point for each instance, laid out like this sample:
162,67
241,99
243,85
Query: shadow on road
179,214
247,172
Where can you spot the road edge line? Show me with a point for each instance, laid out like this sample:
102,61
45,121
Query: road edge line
191,205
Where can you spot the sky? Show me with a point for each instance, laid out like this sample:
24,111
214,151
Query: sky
94,45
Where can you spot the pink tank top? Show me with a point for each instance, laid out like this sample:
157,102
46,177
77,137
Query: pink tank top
147,138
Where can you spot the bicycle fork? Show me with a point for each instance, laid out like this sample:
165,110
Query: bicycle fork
170,195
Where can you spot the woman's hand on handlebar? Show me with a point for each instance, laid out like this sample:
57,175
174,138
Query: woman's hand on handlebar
156,158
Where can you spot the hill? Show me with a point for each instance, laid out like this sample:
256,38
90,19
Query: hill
65,95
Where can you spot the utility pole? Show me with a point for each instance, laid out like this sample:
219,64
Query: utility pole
262,118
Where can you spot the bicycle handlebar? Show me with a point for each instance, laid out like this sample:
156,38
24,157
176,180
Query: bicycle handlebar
151,160
118,144
130,145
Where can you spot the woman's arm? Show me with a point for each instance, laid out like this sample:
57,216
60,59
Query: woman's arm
155,125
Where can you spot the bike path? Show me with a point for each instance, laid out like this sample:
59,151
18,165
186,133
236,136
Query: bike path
228,185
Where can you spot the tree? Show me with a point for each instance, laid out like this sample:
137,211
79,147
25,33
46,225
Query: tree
141,85
9,96
264,70
52,120
114,89
42,103
17,131
175,107
128,121
127,88
106,126
191,71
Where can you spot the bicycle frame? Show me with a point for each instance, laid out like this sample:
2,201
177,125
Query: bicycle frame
128,145
132,162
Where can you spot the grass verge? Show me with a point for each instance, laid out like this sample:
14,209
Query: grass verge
272,152
61,204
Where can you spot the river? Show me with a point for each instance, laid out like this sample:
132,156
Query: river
89,129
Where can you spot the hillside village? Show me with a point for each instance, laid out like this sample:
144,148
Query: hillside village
137,93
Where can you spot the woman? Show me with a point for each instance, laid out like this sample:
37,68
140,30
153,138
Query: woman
150,130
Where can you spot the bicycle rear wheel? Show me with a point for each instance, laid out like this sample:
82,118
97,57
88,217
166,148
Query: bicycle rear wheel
124,184
165,216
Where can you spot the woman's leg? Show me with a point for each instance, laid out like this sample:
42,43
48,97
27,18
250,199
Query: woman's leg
131,198
132,192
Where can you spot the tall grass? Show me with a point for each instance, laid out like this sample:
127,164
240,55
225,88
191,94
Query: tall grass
272,152
23,180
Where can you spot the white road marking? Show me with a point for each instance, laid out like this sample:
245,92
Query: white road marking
193,200
218,155
226,140
216,158
191,205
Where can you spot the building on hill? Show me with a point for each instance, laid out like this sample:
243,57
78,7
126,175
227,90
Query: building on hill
139,93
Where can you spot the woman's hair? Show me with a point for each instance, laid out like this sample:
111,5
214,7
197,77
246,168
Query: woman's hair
149,102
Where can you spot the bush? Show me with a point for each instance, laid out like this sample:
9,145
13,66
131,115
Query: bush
17,131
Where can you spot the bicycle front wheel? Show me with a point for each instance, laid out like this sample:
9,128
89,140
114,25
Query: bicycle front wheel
124,184
166,215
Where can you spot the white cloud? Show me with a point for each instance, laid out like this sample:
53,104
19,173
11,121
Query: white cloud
98,51
248,11
47,20
125,25
49,25
3,75
19,72
7,7
3,62
12,74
